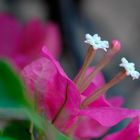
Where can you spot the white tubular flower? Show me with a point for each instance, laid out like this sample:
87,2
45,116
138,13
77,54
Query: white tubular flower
130,68
96,42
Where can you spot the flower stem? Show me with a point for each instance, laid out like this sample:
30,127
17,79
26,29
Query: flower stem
31,130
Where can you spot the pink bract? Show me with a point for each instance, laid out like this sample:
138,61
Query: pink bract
22,44
60,100
131,132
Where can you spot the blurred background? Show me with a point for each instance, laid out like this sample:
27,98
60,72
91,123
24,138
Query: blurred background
112,19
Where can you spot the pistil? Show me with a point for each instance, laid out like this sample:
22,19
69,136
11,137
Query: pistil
115,48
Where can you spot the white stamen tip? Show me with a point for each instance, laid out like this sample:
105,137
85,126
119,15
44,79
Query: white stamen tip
130,68
96,42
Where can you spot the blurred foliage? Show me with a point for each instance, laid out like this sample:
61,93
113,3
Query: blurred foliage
14,103
6,138
17,130
60,136
11,88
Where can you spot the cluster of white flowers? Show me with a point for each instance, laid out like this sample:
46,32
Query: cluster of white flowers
96,42
130,68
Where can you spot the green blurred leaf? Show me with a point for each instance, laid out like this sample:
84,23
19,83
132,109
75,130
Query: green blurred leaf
60,136
18,130
14,104
11,87
6,138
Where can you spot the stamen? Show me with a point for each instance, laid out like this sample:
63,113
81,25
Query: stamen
96,94
115,48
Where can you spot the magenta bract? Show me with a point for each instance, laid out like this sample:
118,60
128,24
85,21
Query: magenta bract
131,132
22,44
60,100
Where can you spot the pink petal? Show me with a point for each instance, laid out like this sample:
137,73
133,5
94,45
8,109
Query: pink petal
109,116
32,38
49,56
34,35
116,101
89,128
53,39
57,93
23,44
131,132
42,75
69,114
10,32
31,42
97,82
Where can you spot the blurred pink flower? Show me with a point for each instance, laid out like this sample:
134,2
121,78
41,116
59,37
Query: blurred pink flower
22,44
131,132
61,101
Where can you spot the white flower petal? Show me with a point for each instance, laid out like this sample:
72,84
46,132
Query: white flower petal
96,42
130,68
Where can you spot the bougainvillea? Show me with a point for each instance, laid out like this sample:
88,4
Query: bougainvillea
78,108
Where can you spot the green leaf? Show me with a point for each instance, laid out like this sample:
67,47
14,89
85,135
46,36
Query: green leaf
11,87
6,138
60,136
14,103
